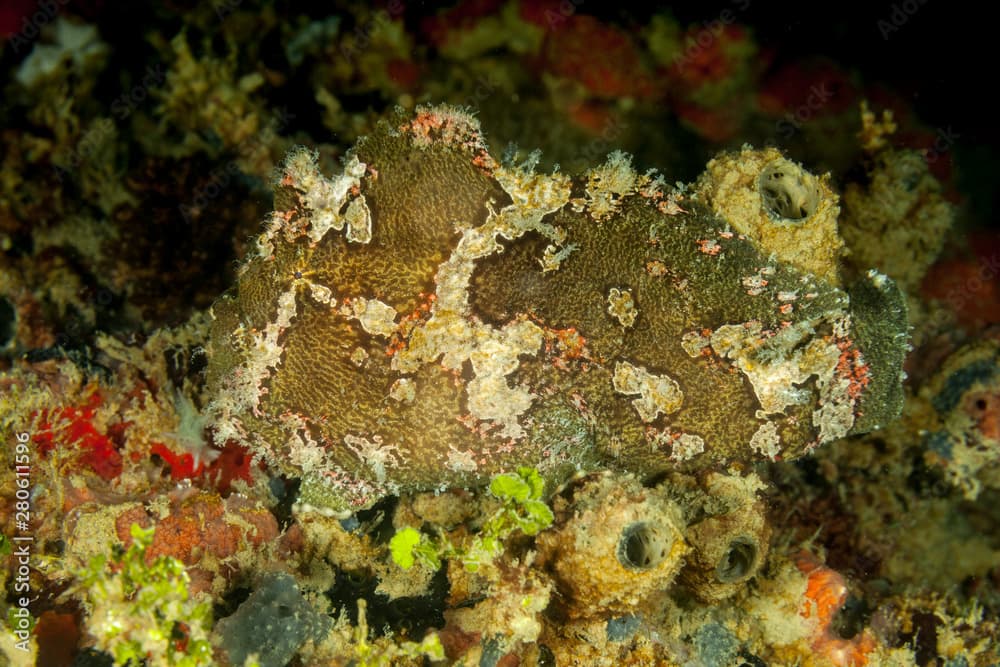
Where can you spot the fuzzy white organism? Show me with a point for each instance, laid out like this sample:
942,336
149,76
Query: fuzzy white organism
190,433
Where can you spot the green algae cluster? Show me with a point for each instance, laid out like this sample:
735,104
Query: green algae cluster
142,610
430,317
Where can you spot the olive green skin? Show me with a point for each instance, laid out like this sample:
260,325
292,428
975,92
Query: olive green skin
333,380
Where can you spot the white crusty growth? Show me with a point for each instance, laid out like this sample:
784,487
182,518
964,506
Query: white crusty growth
608,183
657,393
325,197
621,306
454,335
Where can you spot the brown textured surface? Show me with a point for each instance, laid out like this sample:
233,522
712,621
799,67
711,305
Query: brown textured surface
430,186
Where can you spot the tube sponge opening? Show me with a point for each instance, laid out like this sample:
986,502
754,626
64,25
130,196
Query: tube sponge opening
642,546
788,192
738,562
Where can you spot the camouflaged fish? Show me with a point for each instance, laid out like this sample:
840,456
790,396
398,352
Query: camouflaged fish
430,317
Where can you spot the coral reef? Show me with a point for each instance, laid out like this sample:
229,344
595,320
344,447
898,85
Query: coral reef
621,545
308,357
729,535
774,201
141,611
965,435
897,220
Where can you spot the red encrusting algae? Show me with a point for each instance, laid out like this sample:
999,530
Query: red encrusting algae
826,593
74,427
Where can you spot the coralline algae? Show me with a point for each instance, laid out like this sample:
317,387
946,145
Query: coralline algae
430,317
